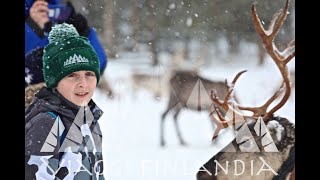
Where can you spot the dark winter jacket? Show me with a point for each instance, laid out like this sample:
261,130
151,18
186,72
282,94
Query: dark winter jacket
62,140
36,39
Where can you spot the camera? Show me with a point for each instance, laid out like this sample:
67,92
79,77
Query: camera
59,12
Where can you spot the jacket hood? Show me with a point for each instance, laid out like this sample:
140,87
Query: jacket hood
28,4
53,101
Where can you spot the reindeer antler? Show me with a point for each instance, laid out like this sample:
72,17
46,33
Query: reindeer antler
280,58
221,122
225,104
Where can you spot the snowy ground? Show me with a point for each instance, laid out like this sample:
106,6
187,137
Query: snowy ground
131,123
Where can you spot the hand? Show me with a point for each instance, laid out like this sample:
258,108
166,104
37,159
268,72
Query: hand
39,13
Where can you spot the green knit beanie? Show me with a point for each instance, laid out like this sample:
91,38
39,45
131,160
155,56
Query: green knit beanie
67,52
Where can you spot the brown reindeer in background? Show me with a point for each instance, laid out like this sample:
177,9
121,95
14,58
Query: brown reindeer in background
182,83
265,130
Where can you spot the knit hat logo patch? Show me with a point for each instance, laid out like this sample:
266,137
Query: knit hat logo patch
75,59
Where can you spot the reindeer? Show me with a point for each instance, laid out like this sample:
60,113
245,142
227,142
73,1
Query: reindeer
182,83
268,148
182,79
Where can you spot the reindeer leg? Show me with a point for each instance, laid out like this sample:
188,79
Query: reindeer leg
176,125
163,116
162,141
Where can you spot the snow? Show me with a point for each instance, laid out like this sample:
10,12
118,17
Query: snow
131,122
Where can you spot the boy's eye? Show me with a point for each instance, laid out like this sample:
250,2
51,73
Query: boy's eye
72,75
90,74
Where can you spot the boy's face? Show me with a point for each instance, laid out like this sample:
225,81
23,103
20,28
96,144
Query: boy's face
78,87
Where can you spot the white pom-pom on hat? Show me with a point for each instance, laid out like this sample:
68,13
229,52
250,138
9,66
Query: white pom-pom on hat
61,31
